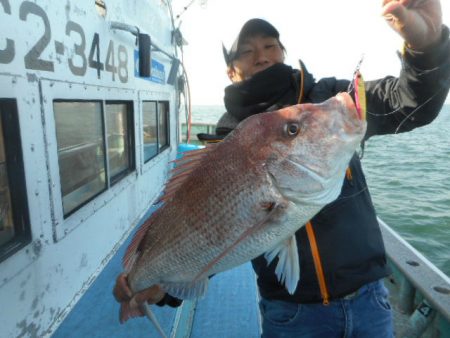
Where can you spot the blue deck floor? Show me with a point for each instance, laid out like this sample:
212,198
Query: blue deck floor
228,310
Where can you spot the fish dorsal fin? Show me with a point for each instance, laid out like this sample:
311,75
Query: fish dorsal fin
288,265
183,169
187,290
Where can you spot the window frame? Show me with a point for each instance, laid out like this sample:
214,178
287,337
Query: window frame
110,180
159,149
16,176
66,91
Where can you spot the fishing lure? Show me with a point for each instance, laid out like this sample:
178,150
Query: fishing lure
357,85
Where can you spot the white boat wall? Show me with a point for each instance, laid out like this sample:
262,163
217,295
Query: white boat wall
89,104
90,93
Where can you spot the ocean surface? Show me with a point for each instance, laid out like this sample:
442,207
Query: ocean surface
409,180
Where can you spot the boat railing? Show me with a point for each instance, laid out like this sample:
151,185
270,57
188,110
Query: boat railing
420,292
197,128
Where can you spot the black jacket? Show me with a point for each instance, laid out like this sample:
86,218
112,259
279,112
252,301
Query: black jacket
347,232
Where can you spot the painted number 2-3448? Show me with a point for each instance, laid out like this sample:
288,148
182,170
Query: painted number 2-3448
79,61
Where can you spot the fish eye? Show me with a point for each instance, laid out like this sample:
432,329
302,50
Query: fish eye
292,129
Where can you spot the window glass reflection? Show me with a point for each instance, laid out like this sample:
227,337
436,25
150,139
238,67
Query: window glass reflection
118,138
150,130
15,230
7,231
81,157
163,122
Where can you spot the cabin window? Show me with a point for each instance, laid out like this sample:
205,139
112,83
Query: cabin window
14,220
119,127
155,128
95,148
81,155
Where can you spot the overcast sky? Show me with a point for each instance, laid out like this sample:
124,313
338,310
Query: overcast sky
328,35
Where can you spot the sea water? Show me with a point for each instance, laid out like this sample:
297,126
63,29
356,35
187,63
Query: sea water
409,179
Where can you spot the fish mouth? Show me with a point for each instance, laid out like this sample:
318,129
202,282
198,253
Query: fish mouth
354,108
354,121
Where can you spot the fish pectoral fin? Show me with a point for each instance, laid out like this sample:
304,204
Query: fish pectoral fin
129,310
187,290
288,265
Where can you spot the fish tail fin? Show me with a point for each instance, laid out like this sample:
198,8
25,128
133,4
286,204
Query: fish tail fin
127,311
150,315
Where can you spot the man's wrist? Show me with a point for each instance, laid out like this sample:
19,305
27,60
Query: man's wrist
432,56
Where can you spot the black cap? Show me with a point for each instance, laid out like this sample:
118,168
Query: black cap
250,28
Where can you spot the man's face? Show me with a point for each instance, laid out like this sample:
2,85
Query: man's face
255,54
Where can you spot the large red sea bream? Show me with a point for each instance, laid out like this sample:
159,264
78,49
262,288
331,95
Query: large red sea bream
246,196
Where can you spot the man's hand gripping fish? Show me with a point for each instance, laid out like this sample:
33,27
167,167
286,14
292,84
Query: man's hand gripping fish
243,197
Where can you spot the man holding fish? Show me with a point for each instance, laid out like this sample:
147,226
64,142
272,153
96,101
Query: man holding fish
338,291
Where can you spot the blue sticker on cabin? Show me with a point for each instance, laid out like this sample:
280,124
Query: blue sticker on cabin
157,73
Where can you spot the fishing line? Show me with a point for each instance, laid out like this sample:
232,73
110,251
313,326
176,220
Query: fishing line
185,8
409,116
351,85
353,195
398,110
385,114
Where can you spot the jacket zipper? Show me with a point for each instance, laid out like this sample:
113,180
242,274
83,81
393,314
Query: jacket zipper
318,264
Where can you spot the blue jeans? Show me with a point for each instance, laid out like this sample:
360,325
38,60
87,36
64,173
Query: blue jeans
366,314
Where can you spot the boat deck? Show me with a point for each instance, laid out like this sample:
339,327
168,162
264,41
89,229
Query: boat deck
229,309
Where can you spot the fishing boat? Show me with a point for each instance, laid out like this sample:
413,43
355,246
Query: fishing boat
91,104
